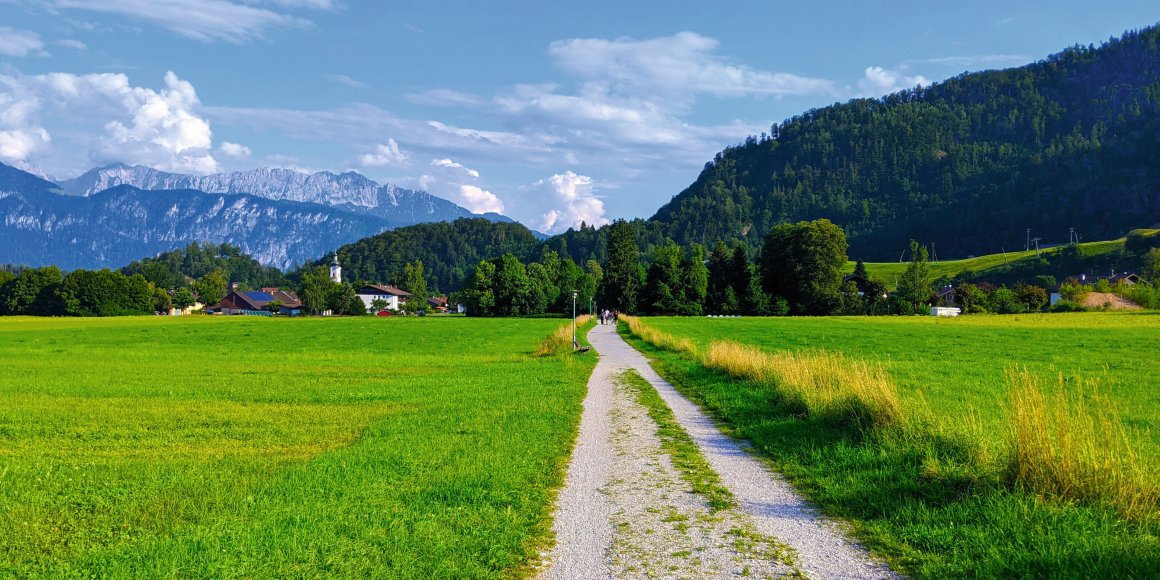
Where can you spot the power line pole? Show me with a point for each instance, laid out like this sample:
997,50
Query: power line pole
1028,246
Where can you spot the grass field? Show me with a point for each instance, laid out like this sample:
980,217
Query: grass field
262,447
932,502
957,364
889,272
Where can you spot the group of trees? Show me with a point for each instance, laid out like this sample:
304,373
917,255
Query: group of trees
505,286
799,271
49,292
182,267
319,293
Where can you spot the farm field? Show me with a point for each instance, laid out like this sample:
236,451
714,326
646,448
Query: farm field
957,365
943,501
280,447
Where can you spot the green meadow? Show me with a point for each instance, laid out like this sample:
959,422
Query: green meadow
957,365
202,446
944,493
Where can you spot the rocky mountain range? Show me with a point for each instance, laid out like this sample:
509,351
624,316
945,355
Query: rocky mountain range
115,214
350,191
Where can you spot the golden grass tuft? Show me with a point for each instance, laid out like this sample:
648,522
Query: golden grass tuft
657,338
560,341
1073,446
826,384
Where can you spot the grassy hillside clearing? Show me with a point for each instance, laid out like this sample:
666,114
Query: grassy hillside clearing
889,272
271,448
989,446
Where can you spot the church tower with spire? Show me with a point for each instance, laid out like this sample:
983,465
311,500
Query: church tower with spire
336,271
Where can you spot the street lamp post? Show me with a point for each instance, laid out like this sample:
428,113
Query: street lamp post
575,344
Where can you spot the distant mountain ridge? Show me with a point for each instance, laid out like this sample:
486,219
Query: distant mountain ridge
351,191
113,215
42,224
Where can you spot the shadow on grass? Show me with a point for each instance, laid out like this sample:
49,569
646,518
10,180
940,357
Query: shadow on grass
917,502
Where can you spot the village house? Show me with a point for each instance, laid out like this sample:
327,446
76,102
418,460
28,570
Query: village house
1126,278
439,303
394,297
255,302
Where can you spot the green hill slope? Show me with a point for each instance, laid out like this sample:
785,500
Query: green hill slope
968,163
1000,267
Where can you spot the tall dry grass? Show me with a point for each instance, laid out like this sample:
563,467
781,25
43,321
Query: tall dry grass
560,341
1073,445
657,338
827,385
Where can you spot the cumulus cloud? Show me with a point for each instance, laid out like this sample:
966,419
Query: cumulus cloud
234,150
205,20
570,200
15,42
878,81
109,117
385,154
451,180
454,165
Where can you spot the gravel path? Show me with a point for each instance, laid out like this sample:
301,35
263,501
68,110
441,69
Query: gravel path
624,512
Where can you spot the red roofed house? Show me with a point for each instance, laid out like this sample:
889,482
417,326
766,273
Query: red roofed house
254,303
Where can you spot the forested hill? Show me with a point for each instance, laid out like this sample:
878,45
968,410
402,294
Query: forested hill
969,163
449,251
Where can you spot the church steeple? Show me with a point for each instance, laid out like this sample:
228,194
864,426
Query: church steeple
336,271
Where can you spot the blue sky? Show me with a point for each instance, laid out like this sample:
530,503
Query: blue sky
550,112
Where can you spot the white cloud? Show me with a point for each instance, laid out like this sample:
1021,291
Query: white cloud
684,63
315,4
972,61
73,44
878,81
451,180
17,145
109,118
570,200
15,42
347,81
445,98
205,20
234,150
454,165
385,154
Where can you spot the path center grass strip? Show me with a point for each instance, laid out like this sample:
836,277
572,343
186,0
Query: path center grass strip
920,502
262,447
681,448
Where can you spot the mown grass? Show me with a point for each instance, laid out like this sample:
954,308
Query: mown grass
939,496
265,447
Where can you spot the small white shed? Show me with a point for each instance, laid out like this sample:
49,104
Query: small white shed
944,311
